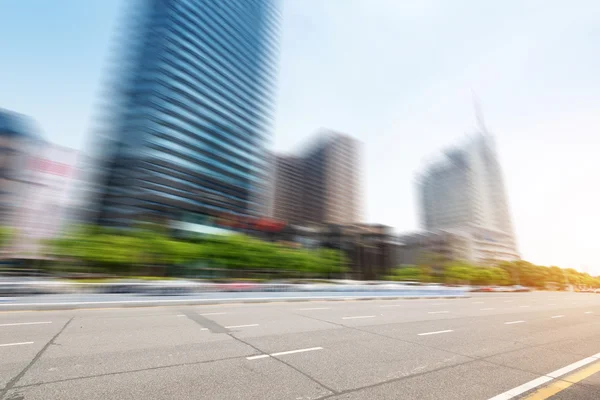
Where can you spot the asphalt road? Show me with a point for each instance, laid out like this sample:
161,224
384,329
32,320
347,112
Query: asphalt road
490,346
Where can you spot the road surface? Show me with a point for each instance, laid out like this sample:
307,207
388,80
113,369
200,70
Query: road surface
491,346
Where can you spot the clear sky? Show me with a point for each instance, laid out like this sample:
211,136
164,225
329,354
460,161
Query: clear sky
395,74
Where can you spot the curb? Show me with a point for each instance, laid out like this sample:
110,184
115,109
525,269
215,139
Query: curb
188,302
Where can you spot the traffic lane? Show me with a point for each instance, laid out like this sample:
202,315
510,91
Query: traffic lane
14,359
488,335
36,328
350,359
95,346
21,340
226,379
373,316
474,380
264,322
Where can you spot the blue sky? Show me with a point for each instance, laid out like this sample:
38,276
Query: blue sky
395,74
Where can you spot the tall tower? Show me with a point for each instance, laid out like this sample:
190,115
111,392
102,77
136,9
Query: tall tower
464,191
192,113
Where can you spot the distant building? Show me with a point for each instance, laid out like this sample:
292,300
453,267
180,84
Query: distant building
18,141
45,200
288,189
190,118
320,185
464,194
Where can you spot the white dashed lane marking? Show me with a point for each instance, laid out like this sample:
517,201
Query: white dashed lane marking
360,317
15,344
513,322
435,333
27,323
240,326
283,353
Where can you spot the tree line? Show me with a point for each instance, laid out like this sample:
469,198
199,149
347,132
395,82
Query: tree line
152,251
520,272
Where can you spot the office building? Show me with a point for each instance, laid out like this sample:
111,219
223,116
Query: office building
191,114
287,189
464,193
18,141
320,185
45,201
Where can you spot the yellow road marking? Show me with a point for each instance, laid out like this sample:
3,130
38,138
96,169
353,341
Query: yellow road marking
564,383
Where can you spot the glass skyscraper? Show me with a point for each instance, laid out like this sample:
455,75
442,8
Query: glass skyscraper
191,112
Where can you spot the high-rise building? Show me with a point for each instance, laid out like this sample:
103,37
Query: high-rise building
464,192
321,184
192,113
287,189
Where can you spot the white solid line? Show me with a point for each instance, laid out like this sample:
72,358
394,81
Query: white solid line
544,379
572,367
435,333
392,305
522,389
27,323
203,329
360,316
181,315
557,316
15,344
315,308
478,302
438,312
439,304
281,353
240,326
487,309
213,313
524,306
513,322
258,357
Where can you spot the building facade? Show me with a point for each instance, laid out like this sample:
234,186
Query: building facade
18,142
321,184
464,194
191,114
287,190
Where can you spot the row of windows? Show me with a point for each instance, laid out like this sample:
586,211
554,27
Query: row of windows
190,196
193,184
183,49
207,87
265,10
200,147
193,164
185,31
191,153
200,132
176,84
255,41
169,169
178,116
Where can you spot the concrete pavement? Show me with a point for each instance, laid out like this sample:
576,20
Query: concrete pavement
484,347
